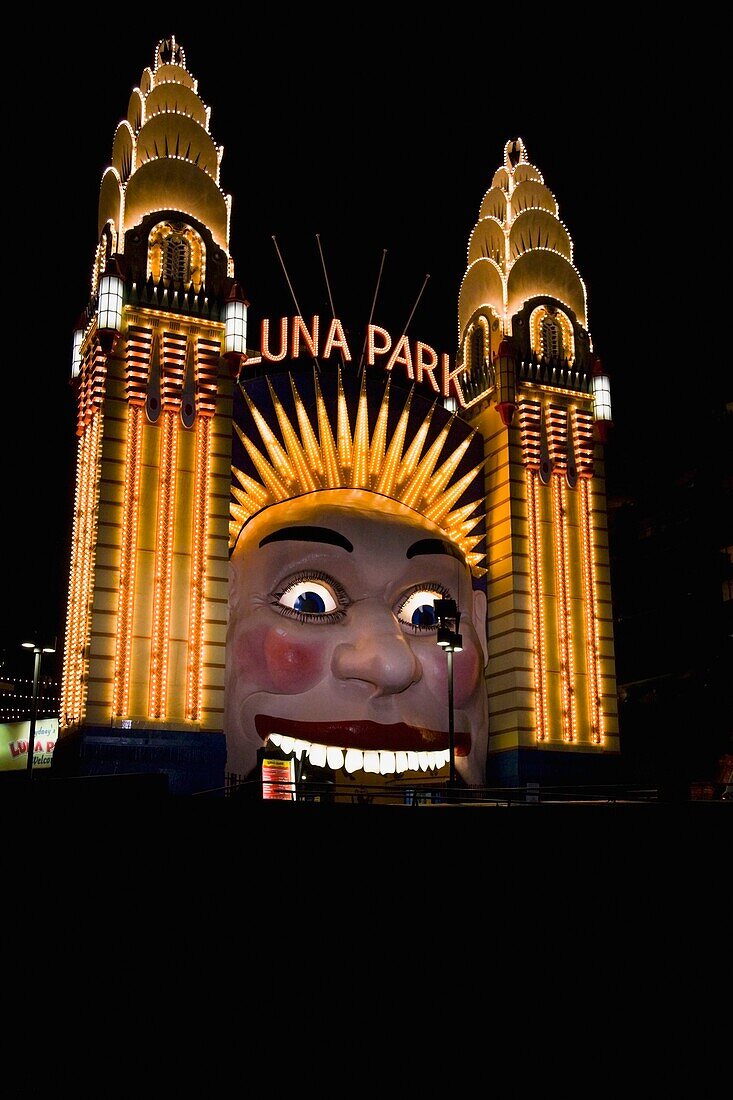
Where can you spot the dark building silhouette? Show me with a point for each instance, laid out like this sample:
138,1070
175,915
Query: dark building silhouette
671,539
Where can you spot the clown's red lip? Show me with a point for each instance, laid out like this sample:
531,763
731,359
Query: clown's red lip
364,735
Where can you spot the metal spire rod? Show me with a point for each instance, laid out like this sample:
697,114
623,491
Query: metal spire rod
425,283
328,288
290,285
374,302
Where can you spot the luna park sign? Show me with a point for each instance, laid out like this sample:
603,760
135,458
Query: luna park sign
419,361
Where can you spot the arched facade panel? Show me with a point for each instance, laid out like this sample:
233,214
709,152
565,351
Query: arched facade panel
173,73
526,171
539,229
176,254
494,205
482,285
135,110
177,185
177,136
110,200
530,193
501,179
175,97
123,150
542,272
487,241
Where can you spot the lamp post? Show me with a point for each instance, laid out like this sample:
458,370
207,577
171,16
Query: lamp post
601,387
449,620
38,652
235,329
109,305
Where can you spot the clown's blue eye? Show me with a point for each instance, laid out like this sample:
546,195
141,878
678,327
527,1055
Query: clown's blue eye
313,598
417,610
309,597
310,601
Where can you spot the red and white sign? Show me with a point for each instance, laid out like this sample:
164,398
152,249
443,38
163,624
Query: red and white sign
278,779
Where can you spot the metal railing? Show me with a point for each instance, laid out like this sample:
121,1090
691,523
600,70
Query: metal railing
431,795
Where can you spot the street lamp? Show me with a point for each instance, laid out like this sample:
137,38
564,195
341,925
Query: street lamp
38,653
449,620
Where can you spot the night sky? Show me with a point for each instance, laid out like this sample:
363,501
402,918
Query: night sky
374,138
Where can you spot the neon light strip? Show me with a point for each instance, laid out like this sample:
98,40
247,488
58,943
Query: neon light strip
71,643
561,617
125,603
567,672
591,616
88,546
535,600
194,684
81,574
163,567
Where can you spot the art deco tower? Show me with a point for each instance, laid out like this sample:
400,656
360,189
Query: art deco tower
147,602
533,386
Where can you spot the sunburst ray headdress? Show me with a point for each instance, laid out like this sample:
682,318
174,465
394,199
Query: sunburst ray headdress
315,451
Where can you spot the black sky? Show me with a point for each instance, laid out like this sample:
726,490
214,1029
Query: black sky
373,137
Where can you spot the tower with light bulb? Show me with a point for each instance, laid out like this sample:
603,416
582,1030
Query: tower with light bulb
156,356
529,380
147,597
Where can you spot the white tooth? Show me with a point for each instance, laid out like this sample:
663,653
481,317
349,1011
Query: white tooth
400,761
287,744
301,747
423,759
446,756
354,760
371,762
275,739
386,762
413,763
335,757
317,756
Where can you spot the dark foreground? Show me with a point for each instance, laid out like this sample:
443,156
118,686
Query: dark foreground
86,846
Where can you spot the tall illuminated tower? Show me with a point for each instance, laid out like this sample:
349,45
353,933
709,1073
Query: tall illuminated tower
534,388
147,601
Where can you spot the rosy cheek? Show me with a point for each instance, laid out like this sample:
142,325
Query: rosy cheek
293,666
271,659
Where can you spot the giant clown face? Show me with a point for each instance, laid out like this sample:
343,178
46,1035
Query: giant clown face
332,638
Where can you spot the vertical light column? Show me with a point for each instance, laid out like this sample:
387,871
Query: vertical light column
535,588
591,614
199,536
72,669
77,629
128,556
567,672
163,566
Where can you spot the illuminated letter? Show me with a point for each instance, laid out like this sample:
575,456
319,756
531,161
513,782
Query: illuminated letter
266,353
372,349
310,340
428,368
336,339
401,354
449,380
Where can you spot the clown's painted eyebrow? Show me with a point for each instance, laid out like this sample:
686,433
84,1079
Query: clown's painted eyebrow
434,546
308,534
